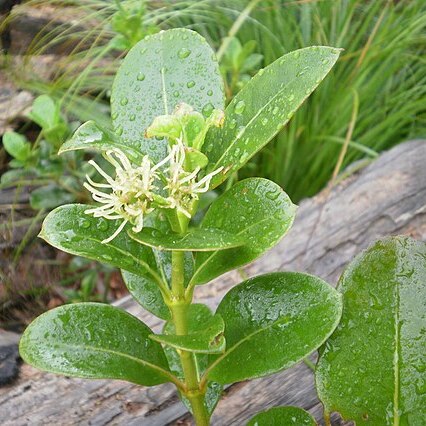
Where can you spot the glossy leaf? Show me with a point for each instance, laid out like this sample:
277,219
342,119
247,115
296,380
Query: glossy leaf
372,369
69,229
198,315
94,340
157,74
282,416
265,105
205,334
255,209
90,136
272,322
147,293
197,239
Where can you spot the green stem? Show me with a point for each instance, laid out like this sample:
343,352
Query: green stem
179,309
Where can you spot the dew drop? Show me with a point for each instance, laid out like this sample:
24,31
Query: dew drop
208,109
119,130
141,76
240,107
190,84
132,117
184,53
275,110
124,101
264,121
210,93
232,123
114,115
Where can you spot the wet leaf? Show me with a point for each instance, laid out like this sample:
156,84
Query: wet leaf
272,322
147,293
265,104
69,229
197,239
158,73
282,416
88,340
372,369
205,333
90,136
256,210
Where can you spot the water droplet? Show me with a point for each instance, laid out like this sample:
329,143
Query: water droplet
124,101
275,110
85,223
102,225
264,121
176,93
261,71
132,117
190,84
240,107
324,61
119,130
184,53
291,97
141,76
208,109
114,115
210,93
232,123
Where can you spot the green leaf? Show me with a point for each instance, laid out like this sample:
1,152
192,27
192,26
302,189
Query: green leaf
17,146
258,211
197,239
372,369
205,333
49,197
90,136
264,106
147,293
198,315
272,322
282,416
69,229
92,340
44,112
158,73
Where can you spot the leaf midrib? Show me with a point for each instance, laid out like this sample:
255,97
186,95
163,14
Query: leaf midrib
119,354
248,337
279,93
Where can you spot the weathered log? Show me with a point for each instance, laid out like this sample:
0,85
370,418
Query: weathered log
386,197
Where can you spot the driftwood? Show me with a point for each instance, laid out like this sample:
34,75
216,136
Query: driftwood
386,197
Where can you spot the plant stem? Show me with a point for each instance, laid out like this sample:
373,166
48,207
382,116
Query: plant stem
179,309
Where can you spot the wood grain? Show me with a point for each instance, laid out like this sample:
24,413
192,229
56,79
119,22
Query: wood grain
386,197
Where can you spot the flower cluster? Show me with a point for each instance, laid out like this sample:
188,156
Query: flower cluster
134,192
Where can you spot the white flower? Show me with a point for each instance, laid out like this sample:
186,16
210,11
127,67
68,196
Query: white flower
183,186
130,193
